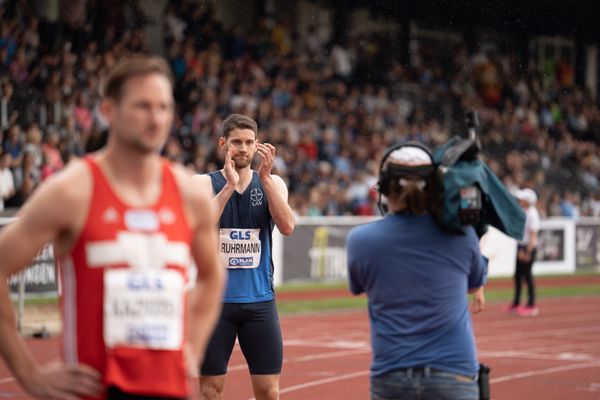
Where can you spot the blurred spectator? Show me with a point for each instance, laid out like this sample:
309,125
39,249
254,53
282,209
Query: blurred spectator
52,160
568,205
26,180
33,143
8,108
7,183
13,144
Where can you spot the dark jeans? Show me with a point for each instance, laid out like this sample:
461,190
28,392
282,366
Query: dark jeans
523,272
424,384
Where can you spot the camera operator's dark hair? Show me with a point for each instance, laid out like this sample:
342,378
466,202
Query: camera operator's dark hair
410,197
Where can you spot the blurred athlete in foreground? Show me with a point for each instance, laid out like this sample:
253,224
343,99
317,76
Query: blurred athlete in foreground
125,225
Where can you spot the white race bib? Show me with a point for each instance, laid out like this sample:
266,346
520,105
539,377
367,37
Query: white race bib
144,308
240,248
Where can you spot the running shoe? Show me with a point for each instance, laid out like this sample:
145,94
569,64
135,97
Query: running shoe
528,311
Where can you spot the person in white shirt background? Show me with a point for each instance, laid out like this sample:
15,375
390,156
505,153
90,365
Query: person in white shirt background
7,184
526,255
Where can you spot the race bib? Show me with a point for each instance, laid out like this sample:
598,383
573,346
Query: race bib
144,308
240,248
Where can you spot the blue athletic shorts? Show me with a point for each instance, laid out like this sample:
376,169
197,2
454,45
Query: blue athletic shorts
256,326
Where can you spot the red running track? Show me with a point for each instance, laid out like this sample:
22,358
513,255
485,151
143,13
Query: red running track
553,356
503,283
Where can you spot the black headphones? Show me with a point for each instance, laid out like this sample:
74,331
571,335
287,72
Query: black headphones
385,175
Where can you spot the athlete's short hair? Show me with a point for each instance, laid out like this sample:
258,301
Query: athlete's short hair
131,67
238,121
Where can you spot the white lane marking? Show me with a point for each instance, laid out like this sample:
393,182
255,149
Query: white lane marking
308,357
337,344
546,371
318,382
537,356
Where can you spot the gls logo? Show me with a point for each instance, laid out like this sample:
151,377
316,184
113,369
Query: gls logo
141,282
240,235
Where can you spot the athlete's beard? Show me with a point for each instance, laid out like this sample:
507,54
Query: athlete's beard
242,163
139,145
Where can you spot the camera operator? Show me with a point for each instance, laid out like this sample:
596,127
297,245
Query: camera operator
416,277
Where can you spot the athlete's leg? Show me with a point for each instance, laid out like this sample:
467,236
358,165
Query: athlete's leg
266,387
212,387
519,274
218,351
530,284
260,340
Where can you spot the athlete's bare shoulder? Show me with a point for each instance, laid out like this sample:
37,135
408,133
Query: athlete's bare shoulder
192,185
58,208
196,191
72,185
280,185
279,180
202,180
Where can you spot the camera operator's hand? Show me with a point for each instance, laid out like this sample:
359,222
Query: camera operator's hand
478,301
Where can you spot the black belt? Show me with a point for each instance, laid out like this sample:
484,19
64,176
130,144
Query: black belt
425,371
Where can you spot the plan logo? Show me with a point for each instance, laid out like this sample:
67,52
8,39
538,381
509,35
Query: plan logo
240,261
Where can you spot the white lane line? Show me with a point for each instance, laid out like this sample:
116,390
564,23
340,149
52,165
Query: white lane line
570,346
335,354
547,371
321,382
550,334
550,321
327,343
536,356
308,357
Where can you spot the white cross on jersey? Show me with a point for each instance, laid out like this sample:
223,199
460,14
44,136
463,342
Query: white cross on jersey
138,250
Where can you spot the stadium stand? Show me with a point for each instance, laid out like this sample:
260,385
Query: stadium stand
331,108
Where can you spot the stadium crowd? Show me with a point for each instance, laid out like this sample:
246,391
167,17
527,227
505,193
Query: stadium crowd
330,108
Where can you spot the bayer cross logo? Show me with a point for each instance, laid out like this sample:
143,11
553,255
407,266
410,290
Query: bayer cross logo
256,196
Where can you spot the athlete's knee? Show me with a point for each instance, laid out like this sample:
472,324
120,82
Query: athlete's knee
211,390
210,393
266,387
267,393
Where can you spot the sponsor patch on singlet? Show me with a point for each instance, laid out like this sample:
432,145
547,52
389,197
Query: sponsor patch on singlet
240,248
143,308
141,220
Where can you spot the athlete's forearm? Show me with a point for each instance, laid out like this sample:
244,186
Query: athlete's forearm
13,349
280,210
19,243
204,310
221,199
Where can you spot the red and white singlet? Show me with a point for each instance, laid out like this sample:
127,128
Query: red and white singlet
123,290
